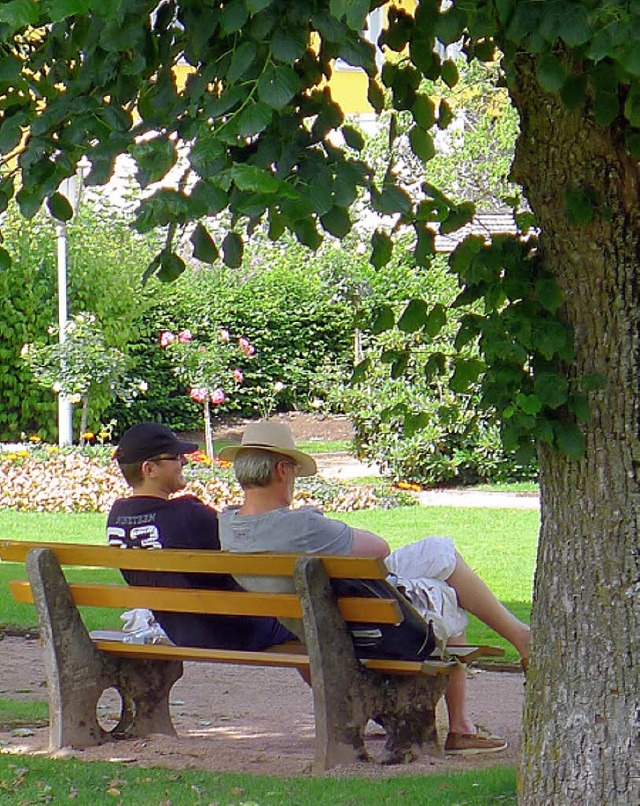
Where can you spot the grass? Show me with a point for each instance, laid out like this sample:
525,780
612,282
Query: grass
15,713
499,544
35,779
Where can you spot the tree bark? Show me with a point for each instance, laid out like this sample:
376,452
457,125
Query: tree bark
581,712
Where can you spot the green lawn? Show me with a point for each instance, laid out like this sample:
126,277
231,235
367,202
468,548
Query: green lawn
499,544
32,779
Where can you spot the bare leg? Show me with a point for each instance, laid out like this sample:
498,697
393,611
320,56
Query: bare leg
474,596
456,695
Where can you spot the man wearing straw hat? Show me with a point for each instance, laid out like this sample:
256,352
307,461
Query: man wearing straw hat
430,573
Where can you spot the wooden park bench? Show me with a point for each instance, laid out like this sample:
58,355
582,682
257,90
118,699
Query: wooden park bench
400,695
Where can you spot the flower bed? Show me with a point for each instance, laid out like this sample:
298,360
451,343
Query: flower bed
47,479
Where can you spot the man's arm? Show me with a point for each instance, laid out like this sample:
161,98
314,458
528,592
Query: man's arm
368,544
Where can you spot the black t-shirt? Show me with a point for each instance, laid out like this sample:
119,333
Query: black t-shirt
187,523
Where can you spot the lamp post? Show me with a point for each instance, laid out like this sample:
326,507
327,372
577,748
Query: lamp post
70,188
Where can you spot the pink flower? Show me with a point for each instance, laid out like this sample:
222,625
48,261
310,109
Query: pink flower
198,394
218,396
166,337
184,336
237,374
224,334
246,347
202,348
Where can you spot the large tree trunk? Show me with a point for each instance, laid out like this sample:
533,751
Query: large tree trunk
581,712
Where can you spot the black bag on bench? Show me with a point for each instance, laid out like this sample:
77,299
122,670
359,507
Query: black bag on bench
411,639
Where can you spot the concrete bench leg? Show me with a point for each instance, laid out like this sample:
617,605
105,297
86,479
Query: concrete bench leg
337,677
78,674
346,695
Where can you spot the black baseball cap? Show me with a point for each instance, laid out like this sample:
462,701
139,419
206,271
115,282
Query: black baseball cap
146,440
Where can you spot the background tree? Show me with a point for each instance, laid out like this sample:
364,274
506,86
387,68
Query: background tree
84,78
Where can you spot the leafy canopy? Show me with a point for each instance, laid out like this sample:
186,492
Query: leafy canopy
252,130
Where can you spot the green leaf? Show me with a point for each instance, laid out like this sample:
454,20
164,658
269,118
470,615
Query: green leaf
551,389
632,105
421,143
171,267
19,13
375,96
458,216
592,380
384,320
307,233
60,207
435,365
449,73
392,199
250,177
569,440
154,159
574,25
579,405
466,371
233,17
551,73
287,46
360,371
254,119
232,250
425,248
10,68
632,140
549,293
399,366
204,247
59,9
415,422
241,60
414,316
382,247
353,138
445,114
436,320
336,221
573,93
529,404
255,6
278,85
5,259
606,107
449,26
424,111
579,207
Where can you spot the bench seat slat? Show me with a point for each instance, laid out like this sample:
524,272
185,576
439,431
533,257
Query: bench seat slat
264,658
237,603
183,560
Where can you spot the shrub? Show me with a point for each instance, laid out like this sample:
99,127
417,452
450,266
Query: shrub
48,479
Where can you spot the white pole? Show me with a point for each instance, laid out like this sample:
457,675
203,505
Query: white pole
65,409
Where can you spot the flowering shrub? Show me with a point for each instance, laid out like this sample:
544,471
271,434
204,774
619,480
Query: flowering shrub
208,371
79,365
48,479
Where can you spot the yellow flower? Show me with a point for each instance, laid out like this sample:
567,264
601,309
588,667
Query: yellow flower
35,438
88,435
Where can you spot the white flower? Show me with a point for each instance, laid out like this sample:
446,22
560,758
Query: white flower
278,386
56,387
76,398
143,386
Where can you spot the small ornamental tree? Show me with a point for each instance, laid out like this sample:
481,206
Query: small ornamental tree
209,371
81,366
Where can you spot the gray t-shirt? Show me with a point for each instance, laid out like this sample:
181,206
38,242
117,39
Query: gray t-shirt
299,531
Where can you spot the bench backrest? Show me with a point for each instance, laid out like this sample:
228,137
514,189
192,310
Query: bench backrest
280,605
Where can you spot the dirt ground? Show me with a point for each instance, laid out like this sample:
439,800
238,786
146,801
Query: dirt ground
233,719
302,424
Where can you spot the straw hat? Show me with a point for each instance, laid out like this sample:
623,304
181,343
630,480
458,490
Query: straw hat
275,438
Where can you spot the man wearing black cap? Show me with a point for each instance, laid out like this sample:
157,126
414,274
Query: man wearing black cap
152,458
